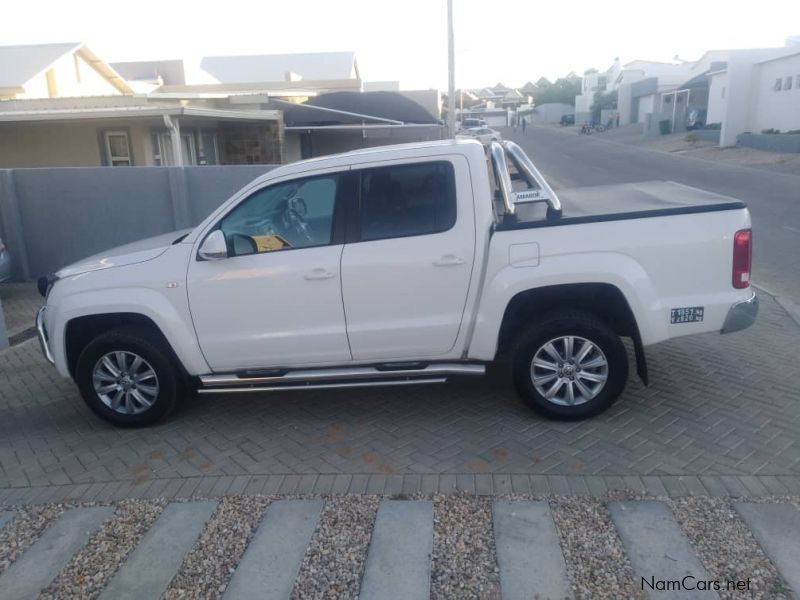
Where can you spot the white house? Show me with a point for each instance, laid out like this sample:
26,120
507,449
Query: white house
759,89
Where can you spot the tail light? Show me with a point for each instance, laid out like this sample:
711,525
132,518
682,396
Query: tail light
742,257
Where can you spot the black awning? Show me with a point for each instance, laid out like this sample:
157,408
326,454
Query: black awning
367,107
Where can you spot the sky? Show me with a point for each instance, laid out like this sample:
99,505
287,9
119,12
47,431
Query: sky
502,41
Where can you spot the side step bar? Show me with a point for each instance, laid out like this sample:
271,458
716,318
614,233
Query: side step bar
310,379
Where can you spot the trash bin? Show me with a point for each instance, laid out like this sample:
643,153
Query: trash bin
664,126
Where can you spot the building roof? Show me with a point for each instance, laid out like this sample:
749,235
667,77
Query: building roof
789,54
341,108
20,64
70,114
276,67
170,72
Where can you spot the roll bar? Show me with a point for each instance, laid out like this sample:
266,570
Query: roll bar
540,190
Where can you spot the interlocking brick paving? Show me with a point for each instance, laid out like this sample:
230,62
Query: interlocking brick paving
717,406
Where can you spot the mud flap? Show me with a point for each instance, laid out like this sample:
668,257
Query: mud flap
641,359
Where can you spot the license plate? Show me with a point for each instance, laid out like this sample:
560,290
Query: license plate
689,314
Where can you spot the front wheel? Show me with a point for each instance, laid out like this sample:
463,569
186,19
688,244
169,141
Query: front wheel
569,365
129,377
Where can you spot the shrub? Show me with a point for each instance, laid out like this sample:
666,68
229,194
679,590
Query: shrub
795,131
690,138
715,126
770,131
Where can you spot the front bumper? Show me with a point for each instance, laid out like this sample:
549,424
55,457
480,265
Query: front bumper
741,315
42,333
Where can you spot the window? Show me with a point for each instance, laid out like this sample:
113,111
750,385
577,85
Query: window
294,214
198,147
117,148
787,83
405,200
778,84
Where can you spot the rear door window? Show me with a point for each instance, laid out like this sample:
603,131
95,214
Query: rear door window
407,200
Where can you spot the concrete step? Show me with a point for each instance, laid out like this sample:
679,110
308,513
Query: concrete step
777,529
528,551
155,561
399,556
39,565
271,562
657,548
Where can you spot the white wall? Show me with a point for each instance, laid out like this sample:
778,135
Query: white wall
716,98
777,109
550,113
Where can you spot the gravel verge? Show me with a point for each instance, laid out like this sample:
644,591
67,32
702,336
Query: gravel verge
595,558
207,569
334,562
24,529
727,549
94,565
464,561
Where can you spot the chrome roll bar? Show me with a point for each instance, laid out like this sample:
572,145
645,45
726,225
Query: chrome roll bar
541,192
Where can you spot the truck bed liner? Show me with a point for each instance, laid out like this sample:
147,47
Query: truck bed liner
620,202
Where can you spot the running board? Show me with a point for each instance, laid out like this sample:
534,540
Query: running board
317,386
331,378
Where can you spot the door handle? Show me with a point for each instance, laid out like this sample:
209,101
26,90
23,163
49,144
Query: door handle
318,274
449,260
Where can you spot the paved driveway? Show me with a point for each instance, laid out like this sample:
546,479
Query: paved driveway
716,406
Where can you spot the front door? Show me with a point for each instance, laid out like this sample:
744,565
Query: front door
406,272
276,300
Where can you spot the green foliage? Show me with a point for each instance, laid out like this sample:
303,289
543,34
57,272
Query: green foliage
563,90
690,138
601,101
770,130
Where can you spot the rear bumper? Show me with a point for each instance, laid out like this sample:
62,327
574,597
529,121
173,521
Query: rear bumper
741,315
43,340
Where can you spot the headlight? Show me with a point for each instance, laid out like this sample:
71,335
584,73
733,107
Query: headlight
44,284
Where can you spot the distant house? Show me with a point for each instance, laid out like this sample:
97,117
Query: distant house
61,105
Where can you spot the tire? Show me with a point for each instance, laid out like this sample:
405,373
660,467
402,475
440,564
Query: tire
160,393
588,399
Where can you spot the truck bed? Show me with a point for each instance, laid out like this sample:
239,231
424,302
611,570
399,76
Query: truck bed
620,202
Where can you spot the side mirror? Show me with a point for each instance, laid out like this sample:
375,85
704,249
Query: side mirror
214,247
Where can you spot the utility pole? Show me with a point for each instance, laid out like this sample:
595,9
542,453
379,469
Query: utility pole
451,68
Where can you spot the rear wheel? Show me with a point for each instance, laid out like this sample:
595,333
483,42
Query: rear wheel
129,378
569,365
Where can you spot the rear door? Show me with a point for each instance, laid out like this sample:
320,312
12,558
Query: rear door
407,265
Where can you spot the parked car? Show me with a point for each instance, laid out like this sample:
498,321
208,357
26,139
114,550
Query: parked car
567,120
471,123
5,262
696,119
484,135
441,261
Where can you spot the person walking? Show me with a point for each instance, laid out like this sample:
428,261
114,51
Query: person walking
618,119
524,123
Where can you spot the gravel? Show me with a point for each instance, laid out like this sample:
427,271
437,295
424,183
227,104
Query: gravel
207,569
334,562
24,529
593,552
725,546
464,557
94,565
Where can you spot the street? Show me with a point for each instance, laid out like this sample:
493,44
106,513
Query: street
570,160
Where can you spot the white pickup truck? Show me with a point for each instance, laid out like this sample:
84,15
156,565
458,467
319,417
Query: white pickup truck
402,265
